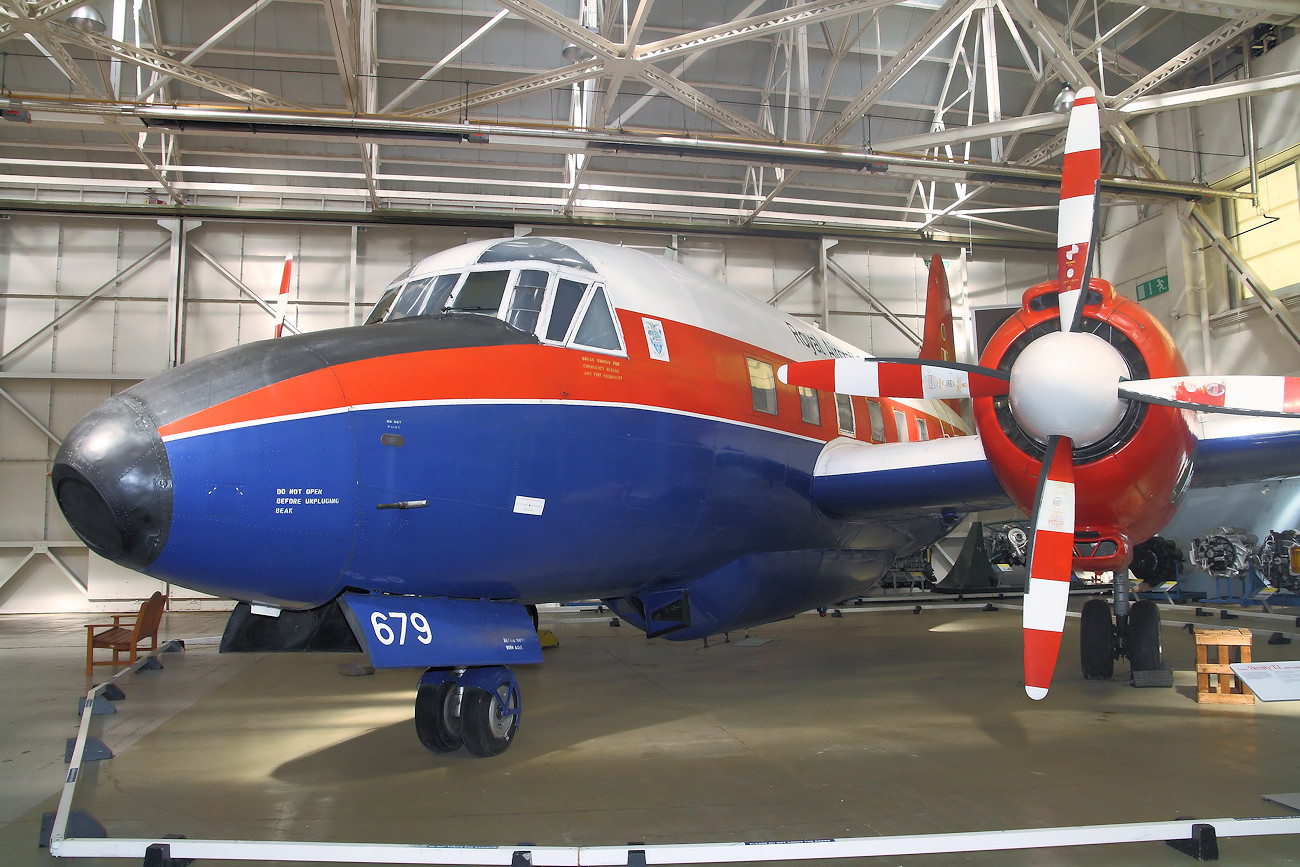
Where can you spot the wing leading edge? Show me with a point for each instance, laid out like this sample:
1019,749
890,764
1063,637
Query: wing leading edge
853,479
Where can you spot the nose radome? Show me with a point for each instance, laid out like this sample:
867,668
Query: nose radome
112,480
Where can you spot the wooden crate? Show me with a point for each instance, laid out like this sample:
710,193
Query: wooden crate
1215,682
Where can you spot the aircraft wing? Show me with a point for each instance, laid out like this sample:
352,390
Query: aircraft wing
853,479
1232,449
858,480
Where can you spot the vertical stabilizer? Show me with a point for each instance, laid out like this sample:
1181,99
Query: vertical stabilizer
937,344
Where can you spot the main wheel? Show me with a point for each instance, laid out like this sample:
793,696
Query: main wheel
1144,651
489,720
1096,640
436,719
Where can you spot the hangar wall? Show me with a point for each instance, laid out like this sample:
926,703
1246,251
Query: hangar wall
88,306
1206,144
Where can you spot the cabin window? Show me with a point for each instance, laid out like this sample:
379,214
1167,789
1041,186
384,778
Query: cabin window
844,414
922,430
762,385
877,421
526,302
482,292
809,406
597,329
900,423
568,295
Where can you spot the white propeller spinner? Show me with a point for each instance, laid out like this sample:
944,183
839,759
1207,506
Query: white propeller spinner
1067,384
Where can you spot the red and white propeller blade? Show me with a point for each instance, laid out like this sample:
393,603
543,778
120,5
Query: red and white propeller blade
1077,213
896,377
282,304
1238,395
1051,564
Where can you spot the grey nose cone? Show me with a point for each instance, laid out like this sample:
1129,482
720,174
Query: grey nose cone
112,481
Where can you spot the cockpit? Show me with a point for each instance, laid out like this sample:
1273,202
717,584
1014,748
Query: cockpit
536,285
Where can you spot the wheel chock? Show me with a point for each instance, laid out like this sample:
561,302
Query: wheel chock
151,663
916,609
160,854
172,646
1201,612
521,858
989,606
1189,628
1203,845
1223,615
1154,677
837,613
615,622
547,638
113,692
80,824
98,708
95,751
1279,638
636,858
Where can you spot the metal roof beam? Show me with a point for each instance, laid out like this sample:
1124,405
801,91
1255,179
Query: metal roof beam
940,25
1258,11
207,81
751,28
214,39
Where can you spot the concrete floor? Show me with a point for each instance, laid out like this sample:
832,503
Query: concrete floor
878,723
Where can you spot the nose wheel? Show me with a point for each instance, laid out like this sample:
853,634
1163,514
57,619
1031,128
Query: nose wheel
1133,631
475,707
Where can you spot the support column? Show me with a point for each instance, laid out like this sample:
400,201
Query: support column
179,229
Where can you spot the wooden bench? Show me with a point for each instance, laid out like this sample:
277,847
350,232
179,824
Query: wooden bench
125,634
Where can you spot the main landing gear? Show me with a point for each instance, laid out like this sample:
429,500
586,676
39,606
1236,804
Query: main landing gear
477,707
1133,632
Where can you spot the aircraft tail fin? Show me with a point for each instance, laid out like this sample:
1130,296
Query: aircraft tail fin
937,343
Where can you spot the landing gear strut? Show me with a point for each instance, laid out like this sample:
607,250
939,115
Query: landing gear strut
1133,632
477,707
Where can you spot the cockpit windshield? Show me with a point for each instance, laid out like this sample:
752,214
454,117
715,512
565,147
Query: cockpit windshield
559,303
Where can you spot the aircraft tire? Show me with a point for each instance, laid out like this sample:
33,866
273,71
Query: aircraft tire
1144,650
487,729
436,722
1096,640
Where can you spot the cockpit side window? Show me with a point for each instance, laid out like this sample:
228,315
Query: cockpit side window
597,329
568,295
481,292
441,290
527,300
408,303
385,304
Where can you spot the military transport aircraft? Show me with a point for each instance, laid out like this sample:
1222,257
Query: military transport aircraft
530,420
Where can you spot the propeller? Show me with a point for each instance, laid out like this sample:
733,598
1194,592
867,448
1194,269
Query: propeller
1067,388
282,305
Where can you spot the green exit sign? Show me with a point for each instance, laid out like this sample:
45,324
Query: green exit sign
1153,287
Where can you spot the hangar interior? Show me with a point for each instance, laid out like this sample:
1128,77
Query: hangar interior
161,159
803,153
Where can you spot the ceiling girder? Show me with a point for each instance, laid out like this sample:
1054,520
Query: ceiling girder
1259,11
101,44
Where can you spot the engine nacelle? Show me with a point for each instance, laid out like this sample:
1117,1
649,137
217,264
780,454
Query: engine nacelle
1129,481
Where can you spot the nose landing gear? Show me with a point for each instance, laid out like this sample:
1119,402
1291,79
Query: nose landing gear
1133,632
476,707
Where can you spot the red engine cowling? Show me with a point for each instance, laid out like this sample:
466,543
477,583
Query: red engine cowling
1128,483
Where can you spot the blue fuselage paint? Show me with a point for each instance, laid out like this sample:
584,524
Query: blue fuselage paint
618,499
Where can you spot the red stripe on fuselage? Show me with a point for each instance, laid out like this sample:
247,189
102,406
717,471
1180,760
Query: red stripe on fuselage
707,376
